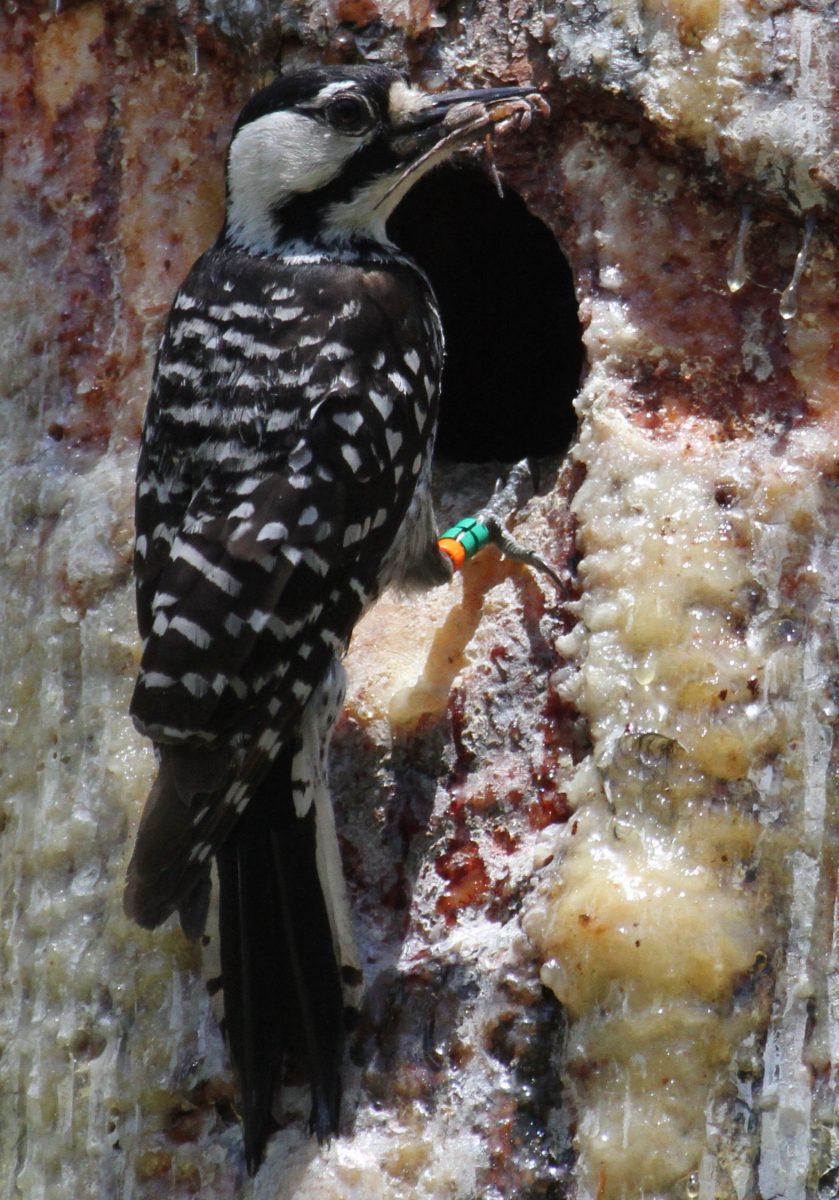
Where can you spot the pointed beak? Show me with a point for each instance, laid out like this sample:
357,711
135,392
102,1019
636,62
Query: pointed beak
451,120
442,104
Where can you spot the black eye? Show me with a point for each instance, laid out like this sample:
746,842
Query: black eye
350,114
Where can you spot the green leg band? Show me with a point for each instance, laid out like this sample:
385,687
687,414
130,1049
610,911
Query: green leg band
471,534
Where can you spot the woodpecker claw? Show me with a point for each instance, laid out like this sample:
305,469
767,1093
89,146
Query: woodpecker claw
511,494
513,550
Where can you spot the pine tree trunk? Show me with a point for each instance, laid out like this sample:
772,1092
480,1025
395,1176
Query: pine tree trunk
590,839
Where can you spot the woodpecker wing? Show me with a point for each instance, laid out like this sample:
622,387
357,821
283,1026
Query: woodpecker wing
268,497
300,509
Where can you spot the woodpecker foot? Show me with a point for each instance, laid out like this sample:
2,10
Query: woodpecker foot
512,491
470,535
513,550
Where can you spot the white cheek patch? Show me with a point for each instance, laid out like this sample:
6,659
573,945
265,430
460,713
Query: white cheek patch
274,157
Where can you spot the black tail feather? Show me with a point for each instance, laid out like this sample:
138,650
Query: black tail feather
283,999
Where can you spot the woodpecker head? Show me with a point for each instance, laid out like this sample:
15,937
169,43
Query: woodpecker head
323,156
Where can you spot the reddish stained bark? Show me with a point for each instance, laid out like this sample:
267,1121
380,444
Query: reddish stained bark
120,210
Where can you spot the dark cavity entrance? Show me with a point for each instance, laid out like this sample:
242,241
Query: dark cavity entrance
506,293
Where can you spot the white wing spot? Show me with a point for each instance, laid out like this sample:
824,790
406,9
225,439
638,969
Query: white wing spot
383,404
351,456
233,624
399,382
243,510
245,486
180,370
268,740
335,350
192,632
247,380
237,795
195,684
221,312
157,679
319,565
349,422
249,346
279,420
329,639
273,530
220,578
299,458
163,600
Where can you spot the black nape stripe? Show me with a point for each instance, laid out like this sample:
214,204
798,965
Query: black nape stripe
302,218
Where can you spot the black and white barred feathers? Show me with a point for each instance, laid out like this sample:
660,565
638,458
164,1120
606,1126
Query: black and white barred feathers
283,481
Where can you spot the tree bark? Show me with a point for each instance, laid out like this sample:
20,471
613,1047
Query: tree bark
590,840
